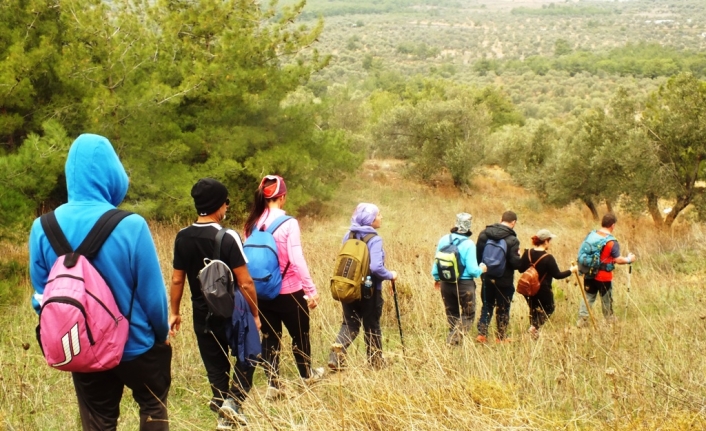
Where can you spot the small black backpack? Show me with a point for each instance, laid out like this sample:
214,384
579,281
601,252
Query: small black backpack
217,284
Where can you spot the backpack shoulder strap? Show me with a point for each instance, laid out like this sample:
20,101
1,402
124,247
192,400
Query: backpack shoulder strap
540,258
100,232
55,235
277,223
219,241
368,237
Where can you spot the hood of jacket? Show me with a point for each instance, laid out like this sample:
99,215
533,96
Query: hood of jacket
499,231
94,172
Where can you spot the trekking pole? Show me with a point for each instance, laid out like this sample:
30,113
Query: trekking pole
585,300
399,320
628,294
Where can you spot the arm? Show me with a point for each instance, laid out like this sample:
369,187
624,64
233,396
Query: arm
176,291
524,261
297,263
470,261
150,291
617,258
513,252
247,288
480,246
553,269
377,257
38,268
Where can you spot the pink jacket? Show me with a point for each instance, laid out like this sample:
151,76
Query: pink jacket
289,249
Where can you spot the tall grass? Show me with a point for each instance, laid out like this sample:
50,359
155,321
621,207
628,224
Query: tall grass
647,371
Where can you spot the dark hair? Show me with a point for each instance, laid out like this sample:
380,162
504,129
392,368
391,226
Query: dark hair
258,207
609,220
455,230
537,242
509,217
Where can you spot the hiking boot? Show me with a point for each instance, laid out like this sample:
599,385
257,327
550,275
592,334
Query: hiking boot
224,424
534,332
503,340
315,375
274,394
232,412
337,359
377,362
454,338
481,339
582,322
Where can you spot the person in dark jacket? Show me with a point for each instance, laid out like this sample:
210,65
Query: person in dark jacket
541,305
496,292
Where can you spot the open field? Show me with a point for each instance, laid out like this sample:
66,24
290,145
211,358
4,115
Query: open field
645,372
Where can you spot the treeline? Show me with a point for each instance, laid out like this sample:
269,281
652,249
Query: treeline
557,10
183,89
638,153
639,60
328,8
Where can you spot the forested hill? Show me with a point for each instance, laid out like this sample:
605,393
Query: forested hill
236,89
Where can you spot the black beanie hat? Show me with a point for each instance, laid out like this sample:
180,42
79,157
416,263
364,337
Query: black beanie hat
209,195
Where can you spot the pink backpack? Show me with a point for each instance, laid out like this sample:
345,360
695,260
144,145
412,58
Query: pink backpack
80,326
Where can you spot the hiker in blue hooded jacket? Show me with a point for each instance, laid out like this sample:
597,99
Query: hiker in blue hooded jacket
96,182
459,296
497,291
365,220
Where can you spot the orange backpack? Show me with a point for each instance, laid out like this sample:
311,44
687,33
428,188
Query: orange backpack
529,282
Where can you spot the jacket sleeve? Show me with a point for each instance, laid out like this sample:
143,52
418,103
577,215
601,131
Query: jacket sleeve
480,245
470,262
524,262
553,269
513,253
150,290
377,259
297,263
38,267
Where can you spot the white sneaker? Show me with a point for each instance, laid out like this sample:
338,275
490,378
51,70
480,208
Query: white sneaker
274,393
534,332
230,413
315,375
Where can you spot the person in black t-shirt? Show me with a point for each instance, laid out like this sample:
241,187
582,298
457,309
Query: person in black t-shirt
191,246
541,305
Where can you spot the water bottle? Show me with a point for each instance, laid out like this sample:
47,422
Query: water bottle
368,288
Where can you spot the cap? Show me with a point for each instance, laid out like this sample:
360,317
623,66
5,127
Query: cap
209,195
544,234
274,190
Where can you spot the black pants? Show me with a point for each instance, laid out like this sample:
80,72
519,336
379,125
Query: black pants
368,312
148,376
460,303
496,296
290,310
541,306
214,350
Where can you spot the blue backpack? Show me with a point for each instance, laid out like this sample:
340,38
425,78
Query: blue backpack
495,257
263,264
589,258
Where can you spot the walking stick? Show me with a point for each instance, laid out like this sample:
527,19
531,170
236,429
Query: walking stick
397,310
585,300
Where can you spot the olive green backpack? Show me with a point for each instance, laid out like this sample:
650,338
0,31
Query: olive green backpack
352,266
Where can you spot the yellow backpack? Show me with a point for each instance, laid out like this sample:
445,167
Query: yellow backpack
352,266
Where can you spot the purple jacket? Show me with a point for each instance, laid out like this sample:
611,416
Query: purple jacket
378,271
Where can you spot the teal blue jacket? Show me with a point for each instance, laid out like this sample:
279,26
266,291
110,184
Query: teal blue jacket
467,253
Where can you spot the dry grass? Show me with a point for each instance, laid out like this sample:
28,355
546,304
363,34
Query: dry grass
645,372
